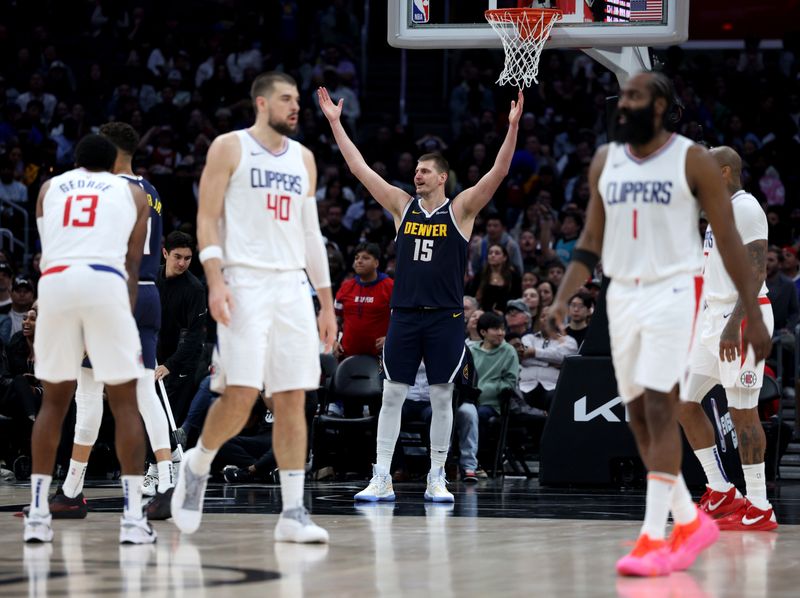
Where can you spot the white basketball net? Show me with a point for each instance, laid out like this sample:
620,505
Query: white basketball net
524,34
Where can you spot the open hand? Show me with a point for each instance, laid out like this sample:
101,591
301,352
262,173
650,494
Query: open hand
729,343
554,322
516,109
757,336
331,111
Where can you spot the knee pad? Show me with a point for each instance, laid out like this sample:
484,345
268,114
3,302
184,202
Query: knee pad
742,398
88,417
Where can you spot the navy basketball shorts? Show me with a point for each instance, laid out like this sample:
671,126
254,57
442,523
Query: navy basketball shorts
433,335
147,314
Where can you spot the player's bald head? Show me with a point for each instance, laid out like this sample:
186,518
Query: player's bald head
727,156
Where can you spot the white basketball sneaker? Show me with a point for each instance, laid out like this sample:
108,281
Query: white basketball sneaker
187,498
295,525
379,488
150,483
437,488
38,528
136,531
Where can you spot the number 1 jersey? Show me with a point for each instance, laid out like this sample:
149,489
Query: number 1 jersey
87,217
263,224
431,259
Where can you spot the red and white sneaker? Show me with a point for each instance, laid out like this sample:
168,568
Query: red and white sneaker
721,504
688,541
749,518
649,558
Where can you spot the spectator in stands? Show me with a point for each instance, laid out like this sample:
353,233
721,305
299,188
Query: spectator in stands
473,336
6,280
530,297
518,317
11,191
36,92
580,308
183,317
374,227
570,230
470,305
22,297
496,235
529,251
362,305
555,272
541,365
496,364
782,294
791,265
335,231
547,291
529,281
498,281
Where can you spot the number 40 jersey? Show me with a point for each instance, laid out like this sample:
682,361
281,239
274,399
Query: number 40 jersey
87,218
431,259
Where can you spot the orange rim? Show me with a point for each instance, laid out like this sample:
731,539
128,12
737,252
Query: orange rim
537,19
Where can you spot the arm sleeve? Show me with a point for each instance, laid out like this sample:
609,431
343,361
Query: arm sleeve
316,255
190,345
556,351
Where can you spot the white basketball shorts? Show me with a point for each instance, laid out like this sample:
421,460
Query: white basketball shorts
742,378
86,307
272,340
651,328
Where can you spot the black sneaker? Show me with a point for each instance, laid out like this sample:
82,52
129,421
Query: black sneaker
63,507
468,476
22,468
237,475
159,509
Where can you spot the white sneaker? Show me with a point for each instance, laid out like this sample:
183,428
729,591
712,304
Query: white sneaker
136,531
150,483
38,528
437,488
295,525
187,498
380,488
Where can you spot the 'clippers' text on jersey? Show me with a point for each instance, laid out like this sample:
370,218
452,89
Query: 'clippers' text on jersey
651,214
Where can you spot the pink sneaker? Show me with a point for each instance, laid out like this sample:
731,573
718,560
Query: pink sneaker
649,558
688,541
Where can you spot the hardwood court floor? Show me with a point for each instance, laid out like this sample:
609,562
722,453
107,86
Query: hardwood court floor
491,543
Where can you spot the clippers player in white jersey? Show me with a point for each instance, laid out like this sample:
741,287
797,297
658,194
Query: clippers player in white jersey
92,226
642,216
718,358
257,219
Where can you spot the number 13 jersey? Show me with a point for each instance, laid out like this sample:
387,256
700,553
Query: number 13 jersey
263,223
651,229
87,217
431,259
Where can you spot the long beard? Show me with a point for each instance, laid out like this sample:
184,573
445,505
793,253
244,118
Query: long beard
283,127
638,128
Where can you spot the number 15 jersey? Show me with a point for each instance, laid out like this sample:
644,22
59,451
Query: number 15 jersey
431,259
87,217
263,223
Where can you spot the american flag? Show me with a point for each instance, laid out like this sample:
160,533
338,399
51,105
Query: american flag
646,10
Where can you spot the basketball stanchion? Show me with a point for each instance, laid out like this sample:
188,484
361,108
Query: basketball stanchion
165,402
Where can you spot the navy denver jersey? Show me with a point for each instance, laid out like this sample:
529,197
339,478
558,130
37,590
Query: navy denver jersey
151,260
431,259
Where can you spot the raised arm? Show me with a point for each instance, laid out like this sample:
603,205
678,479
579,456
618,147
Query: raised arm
589,246
705,180
390,197
221,161
471,201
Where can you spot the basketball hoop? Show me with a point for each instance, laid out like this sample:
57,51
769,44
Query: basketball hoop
523,32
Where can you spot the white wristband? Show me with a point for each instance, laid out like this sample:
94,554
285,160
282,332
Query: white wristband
212,252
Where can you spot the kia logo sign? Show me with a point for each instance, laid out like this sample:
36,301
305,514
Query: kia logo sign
604,410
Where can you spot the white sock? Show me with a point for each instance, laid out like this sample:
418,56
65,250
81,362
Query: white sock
200,463
292,486
659,493
73,483
165,479
132,493
381,469
683,509
40,488
712,465
756,485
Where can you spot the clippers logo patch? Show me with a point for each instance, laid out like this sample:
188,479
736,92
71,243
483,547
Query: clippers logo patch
748,379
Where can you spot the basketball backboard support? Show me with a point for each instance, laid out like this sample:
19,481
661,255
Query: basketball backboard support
616,33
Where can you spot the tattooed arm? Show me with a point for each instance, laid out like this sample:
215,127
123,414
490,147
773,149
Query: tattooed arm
730,341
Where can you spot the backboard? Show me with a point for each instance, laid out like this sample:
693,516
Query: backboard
429,24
